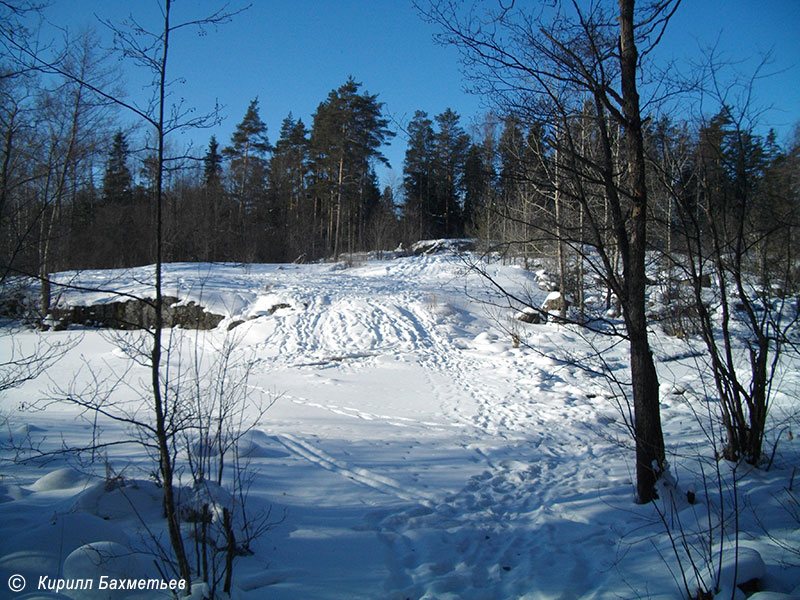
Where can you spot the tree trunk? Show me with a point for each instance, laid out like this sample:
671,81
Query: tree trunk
230,549
338,210
647,426
562,267
581,275
160,409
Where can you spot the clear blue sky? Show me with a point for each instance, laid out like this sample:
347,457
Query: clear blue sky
292,53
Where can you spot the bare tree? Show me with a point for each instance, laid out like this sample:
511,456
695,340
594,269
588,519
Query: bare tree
148,50
735,203
544,65
224,413
73,120
42,141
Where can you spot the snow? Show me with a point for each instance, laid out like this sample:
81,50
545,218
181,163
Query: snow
413,450
59,479
114,561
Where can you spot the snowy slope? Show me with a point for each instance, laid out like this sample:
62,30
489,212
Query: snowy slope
412,450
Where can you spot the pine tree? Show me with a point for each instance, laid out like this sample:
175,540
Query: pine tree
451,145
117,180
382,223
288,169
288,164
418,175
247,155
215,216
212,164
476,180
346,137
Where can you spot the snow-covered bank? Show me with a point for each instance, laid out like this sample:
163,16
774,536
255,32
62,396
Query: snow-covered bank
412,451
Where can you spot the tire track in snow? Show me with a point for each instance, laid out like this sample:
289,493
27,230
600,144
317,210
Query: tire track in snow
345,325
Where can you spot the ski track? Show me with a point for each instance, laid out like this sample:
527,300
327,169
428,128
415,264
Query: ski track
357,413
501,521
365,477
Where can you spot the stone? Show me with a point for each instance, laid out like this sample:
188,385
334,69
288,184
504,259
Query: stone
553,302
529,315
136,314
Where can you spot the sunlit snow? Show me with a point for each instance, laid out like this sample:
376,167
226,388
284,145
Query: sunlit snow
414,449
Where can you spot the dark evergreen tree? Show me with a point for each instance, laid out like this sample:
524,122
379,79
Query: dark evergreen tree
217,213
417,177
212,164
288,169
247,155
382,225
254,220
511,150
117,180
476,183
346,137
450,144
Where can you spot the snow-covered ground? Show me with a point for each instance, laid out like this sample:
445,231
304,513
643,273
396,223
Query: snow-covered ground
413,450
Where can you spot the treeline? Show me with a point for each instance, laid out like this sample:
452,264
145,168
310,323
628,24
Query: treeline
539,192
77,191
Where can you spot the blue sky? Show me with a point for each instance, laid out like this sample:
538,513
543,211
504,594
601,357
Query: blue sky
292,53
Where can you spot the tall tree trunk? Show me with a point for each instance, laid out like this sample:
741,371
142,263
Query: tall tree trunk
159,406
8,148
581,273
647,426
338,210
243,183
562,267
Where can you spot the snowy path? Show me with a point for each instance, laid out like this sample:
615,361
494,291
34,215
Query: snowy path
412,452
496,524
397,393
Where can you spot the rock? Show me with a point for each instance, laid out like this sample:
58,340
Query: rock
12,305
192,316
529,315
705,281
136,314
553,302
778,291
749,566
454,246
726,593
276,307
737,571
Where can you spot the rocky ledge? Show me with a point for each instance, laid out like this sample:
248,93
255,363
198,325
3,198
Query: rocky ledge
134,314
